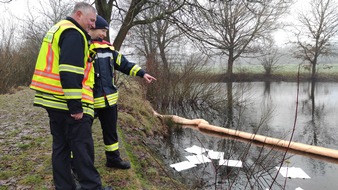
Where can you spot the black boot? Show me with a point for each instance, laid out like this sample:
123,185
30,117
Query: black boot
119,163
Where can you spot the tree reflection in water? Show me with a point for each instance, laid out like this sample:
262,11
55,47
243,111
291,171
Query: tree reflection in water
267,109
228,108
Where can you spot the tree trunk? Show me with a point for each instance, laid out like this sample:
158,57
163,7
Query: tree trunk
313,76
104,9
134,9
230,66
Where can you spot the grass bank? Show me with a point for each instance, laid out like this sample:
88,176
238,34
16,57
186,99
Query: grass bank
25,160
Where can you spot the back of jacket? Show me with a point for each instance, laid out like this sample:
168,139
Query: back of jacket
63,80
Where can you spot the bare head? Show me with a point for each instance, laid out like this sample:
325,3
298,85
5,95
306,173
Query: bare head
84,14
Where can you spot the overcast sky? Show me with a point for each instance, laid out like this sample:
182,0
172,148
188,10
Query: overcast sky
16,7
19,8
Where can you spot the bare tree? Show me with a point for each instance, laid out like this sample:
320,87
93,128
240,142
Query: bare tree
270,56
38,22
232,28
7,56
319,24
157,37
19,61
126,14
104,9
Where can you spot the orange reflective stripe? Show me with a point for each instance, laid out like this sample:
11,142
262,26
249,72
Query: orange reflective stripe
85,96
49,58
48,87
47,75
87,87
89,98
86,72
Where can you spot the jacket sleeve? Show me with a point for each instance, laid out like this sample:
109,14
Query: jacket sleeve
122,64
71,68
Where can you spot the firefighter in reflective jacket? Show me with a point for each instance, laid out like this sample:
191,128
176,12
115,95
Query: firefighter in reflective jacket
63,80
107,60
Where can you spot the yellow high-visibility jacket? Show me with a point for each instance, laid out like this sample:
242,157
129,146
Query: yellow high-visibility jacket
46,79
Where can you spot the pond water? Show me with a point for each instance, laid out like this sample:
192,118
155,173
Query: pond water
271,109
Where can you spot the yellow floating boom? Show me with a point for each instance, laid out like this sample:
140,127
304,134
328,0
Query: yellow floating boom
204,125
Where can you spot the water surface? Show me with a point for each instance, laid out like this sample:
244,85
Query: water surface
270,109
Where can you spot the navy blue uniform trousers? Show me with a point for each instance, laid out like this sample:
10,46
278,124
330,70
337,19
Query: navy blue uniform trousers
70,135
108,120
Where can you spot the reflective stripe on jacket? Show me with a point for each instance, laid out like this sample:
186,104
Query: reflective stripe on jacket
46,78
107,60
51,101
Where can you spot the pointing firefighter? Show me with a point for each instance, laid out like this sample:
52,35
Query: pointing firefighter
107,60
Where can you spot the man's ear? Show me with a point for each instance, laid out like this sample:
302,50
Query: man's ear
78,14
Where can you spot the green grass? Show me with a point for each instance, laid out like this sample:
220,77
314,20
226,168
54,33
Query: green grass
31,179
26,158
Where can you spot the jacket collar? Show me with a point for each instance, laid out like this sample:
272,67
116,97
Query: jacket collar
80,27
